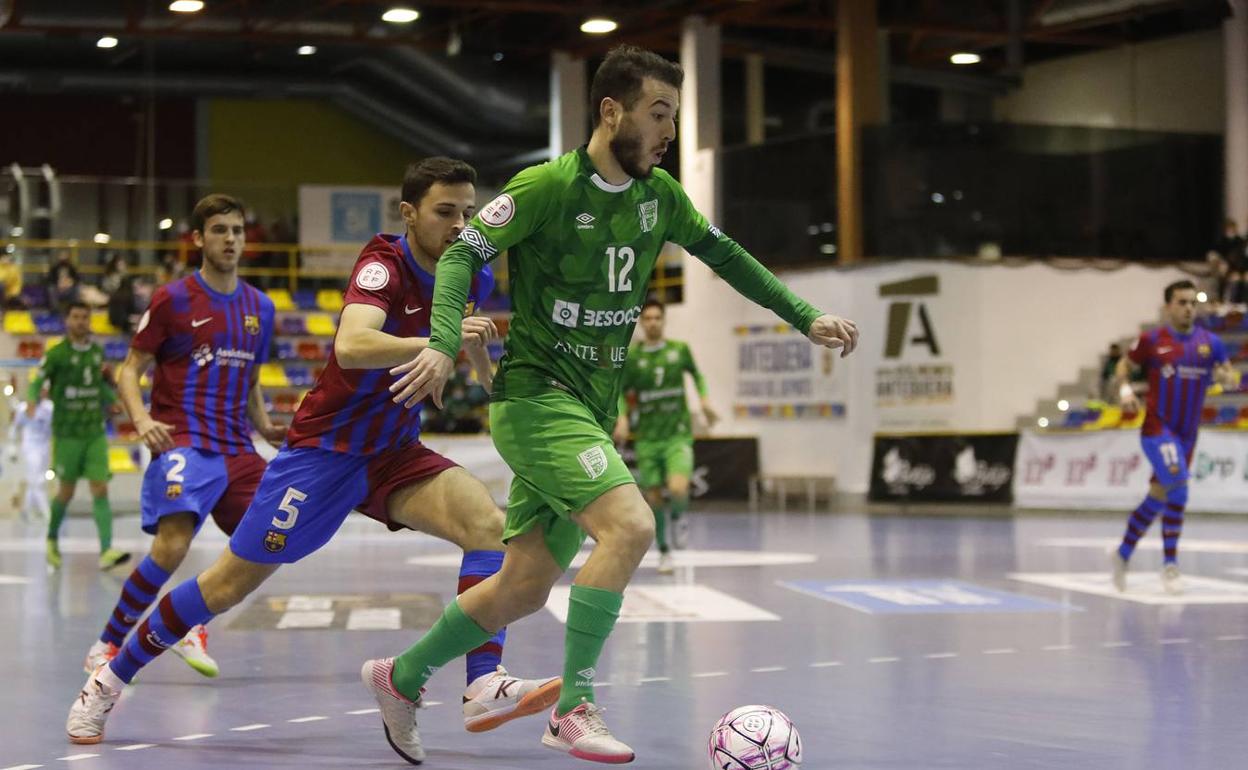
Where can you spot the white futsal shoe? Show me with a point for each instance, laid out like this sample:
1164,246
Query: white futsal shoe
667,565
100,653
1171,579
1118,571
193,648
582,733
91,708
498,697
398,714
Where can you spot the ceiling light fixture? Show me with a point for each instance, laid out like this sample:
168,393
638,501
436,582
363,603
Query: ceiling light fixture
106,42
965,57
186,6
400,15
598,26
306,50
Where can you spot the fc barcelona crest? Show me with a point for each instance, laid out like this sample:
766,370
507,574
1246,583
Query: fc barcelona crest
252,324
1203,350
274,541
173,491
648,212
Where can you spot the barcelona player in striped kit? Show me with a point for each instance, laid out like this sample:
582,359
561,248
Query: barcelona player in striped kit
1181,361
350,446
207,334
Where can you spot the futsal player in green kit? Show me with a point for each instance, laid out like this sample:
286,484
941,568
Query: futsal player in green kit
81,396
654,386
583,233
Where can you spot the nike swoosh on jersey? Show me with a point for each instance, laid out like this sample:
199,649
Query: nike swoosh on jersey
200,322
410,310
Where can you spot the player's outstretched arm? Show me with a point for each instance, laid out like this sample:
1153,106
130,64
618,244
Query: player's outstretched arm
361,344
1227,376
1122,382
156,435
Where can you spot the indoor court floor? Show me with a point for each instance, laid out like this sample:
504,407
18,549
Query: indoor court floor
892,641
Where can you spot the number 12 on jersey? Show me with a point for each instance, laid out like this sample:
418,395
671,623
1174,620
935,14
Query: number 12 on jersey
625,255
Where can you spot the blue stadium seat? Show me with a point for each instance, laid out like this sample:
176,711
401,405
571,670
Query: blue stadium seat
299,376
285,350
305,299
294,325
49,323
1228,415
115,350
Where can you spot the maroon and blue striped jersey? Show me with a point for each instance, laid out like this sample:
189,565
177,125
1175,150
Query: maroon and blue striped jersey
350,410
1180,371
207,347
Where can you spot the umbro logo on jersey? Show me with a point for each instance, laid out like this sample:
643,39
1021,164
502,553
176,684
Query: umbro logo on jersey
410,310
585,221
198,322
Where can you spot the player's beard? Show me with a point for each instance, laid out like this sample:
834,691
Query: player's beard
627,148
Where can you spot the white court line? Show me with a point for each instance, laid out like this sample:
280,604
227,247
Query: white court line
76,757
1232,638
300,720
1174,641
940,655
826,664
1116,644
645,679
194,737
602,684
883,660
709,674
21,767
1001,651
364,711
766,669
136,747
249,728
430,704
1057,647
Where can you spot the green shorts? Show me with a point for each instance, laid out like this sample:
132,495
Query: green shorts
563,459
658,461
76,458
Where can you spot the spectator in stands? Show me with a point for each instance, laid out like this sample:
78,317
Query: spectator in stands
11,281
124,302
169,269
1108,369
1231,246
64,286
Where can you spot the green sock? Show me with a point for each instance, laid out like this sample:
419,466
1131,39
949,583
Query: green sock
58,518
660,527
678,506
453,635
103,514
591,616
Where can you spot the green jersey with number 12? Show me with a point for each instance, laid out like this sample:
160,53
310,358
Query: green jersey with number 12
581,251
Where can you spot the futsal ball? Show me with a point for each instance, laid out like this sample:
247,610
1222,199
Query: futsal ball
755,738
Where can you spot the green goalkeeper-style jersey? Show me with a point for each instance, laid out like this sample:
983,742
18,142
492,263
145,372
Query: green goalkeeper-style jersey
655,378
581,251
80,394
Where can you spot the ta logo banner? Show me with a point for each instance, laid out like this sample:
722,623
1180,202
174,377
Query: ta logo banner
901,311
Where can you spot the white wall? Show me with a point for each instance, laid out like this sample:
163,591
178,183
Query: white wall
1011,334
1174,84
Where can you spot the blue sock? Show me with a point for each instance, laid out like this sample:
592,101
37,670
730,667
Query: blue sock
477,566
1138,524
137,595
175,615
1172,522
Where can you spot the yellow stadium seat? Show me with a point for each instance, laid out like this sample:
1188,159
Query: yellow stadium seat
321,325
329,300
51,341
273,376
100,324
19,322
120,461
281,299
1111,417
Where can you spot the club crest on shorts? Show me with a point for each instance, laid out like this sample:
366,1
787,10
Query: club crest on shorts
173,491
252,324
274,542
594,461
648,213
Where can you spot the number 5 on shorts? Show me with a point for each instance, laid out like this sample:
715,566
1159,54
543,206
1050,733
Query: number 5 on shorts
287,507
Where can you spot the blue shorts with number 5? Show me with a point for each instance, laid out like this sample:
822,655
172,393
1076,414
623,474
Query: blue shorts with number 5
307,493
1169,455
